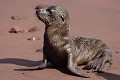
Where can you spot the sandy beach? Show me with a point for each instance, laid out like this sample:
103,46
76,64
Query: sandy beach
93,18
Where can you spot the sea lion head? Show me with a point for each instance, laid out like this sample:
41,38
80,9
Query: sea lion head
52,15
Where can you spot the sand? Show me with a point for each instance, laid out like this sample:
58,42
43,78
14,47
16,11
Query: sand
95,18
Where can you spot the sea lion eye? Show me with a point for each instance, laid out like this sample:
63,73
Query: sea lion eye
50,10
62,18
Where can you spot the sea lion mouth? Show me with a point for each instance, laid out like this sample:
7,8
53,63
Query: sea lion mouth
42,15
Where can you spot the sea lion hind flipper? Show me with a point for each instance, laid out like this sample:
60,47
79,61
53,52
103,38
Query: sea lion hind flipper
98,64
72,66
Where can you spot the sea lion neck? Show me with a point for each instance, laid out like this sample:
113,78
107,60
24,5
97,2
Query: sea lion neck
57,24
58,29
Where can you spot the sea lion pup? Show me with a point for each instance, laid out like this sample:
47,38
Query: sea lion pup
63,50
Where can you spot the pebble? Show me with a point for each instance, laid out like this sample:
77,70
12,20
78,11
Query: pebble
117,51
33,39
16,29
16,17
39,50
33,29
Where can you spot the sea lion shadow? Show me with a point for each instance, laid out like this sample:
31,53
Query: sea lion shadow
30,64
109,76
21,62
66,71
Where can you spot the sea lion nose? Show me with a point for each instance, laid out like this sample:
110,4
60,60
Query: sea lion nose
41,10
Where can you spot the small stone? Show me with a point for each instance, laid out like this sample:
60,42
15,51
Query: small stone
16,17
39,50
33,38
117,51
33,29
23,73
16,29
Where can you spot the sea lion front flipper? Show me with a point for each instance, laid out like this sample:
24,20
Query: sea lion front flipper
72,66
44,63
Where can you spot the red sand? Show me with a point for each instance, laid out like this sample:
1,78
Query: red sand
96,18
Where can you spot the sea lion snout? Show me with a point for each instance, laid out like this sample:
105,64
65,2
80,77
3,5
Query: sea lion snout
41,11
42,15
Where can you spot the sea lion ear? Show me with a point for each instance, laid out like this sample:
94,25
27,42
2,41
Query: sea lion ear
62,18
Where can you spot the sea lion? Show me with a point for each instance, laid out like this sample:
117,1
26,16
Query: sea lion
64,50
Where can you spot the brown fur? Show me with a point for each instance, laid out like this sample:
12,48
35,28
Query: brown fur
62,49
